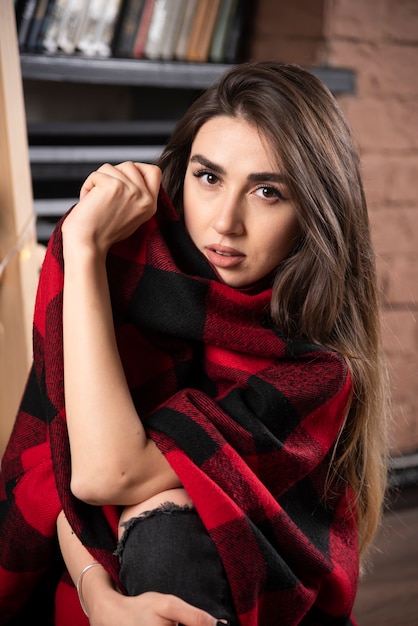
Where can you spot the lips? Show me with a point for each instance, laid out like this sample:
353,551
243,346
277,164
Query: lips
223,256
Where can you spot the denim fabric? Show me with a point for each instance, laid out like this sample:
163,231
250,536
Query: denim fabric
169,550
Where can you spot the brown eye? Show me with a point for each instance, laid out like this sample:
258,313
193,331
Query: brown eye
211,179
208,177
269,193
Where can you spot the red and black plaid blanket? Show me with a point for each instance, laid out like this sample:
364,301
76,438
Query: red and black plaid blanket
247,419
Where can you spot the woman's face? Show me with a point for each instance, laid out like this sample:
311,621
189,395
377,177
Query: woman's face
236,205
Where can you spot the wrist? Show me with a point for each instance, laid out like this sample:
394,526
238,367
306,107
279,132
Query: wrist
92,585
82,252
79,585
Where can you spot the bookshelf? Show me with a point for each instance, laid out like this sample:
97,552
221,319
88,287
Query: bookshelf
63,153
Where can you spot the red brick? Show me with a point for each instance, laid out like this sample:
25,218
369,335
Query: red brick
403,280
400,333
381,69
378,178
403,22
383,124
357,19
391,182
300,18
395,231
404,424
291,50
405,184
403,431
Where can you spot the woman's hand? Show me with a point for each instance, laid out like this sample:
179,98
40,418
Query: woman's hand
107,607
114,202
148,609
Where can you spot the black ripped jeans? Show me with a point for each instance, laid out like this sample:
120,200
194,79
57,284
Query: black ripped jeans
170,551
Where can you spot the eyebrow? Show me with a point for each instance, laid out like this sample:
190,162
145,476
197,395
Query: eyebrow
272,177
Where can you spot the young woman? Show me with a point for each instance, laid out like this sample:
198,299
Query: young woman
222,368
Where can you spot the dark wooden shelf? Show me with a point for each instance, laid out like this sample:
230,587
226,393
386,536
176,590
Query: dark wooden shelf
165,74
115,71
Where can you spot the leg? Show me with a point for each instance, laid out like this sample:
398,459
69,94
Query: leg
169,550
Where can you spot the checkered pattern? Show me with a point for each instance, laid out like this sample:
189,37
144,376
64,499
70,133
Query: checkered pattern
245,417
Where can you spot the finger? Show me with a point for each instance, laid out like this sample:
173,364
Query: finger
123,172
147,173
151,177
94,178
177,610
151,174
87,185
140,171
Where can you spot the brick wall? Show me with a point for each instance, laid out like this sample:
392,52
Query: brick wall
378,39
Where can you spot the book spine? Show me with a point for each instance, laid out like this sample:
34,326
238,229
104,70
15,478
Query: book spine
154,40
107,28
49,42
27,13
124,44
89,35
172,32
36,25
72,25
180,52
196,30
143,29
237,31
217,49
202,54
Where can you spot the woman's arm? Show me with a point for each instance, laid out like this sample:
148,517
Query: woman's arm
105,606
112,459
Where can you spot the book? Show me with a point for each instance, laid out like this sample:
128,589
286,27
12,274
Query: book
88,35
44,26
180,51
196,28
202,31
71,25
19,5
108,27
172,31
157,27
222,27
143,25
36,25
237,32
208,30
125,37
96,36
48,42
27,11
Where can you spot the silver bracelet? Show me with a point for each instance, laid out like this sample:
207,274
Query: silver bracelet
79,586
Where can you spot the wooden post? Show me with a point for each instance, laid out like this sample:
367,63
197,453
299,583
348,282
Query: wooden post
19,255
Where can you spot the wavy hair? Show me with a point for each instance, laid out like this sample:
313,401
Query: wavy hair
326,290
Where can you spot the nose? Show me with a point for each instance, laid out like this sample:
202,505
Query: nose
229,215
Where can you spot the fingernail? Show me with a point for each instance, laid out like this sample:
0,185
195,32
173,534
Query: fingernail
222,622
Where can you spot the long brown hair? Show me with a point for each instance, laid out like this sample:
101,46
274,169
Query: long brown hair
326,290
